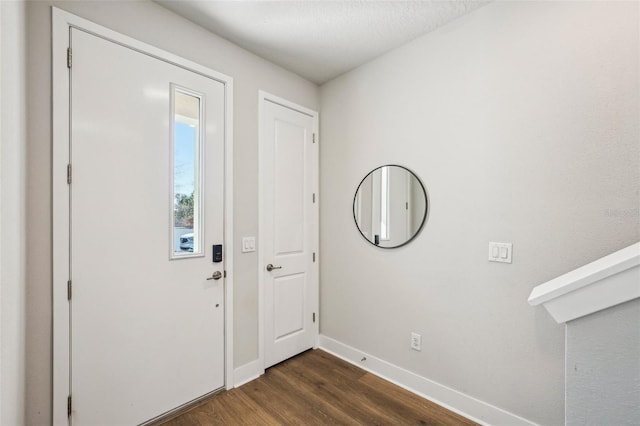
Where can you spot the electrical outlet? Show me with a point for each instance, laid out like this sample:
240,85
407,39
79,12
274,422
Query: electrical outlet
416,341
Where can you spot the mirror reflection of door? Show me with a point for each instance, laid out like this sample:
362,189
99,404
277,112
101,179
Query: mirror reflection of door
390,206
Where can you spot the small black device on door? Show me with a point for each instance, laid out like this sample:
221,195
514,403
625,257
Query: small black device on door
217,253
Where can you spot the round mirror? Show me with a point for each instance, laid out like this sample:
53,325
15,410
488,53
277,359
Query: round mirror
390,206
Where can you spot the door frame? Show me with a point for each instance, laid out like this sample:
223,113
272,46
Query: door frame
264,97
61,23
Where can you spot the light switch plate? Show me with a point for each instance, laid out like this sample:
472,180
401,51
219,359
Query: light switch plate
500,252
248,244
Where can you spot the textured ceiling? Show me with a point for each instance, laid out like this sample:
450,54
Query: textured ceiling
320,40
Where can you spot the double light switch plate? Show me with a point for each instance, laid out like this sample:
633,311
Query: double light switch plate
248,244
500,252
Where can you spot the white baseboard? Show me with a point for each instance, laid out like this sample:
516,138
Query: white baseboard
247,372
458,402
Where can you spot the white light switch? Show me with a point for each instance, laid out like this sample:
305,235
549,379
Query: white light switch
248,244
500,252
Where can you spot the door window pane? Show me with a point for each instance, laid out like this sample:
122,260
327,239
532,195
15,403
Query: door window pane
186,182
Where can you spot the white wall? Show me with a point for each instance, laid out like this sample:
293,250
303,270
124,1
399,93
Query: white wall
521,119
26,228
13,135
603,367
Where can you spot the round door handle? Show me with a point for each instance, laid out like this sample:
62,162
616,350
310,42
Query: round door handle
216,276
270,267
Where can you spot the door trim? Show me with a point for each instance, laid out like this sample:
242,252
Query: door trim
61,23
264,97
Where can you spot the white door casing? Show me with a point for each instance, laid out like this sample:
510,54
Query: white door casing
143,334
288,235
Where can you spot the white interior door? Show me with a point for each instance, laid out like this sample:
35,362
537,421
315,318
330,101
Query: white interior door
147,326
289,230
398,206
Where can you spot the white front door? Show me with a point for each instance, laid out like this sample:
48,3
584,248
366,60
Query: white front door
147,173
289,230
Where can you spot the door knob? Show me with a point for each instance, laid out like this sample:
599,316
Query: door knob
270,267
216,276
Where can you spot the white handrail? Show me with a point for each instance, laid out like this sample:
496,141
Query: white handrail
608,281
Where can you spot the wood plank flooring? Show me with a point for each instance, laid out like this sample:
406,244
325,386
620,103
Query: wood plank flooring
316,388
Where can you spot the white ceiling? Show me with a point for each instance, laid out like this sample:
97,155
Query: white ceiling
320,40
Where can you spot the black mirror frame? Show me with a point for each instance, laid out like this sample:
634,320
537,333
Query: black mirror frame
424,217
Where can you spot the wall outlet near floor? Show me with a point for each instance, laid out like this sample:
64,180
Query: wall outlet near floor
416,341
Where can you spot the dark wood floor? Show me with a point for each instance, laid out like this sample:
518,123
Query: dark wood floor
316,388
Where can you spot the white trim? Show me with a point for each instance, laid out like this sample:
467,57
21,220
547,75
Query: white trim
2,201
261,227
262,95
458,402
598,285
248,372
60,196
61,22
228,231
316,212
268,97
